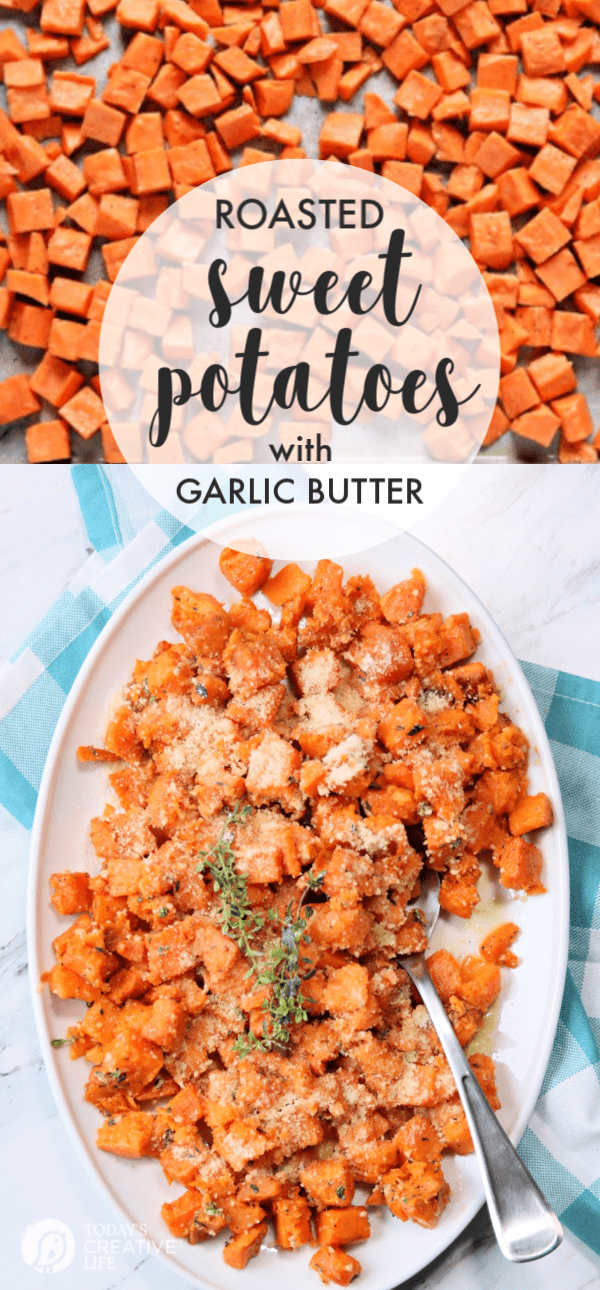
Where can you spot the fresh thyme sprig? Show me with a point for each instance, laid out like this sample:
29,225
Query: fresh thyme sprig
280,971
277,966
238,919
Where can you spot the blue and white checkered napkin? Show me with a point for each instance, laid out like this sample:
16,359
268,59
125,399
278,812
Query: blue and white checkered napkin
130,533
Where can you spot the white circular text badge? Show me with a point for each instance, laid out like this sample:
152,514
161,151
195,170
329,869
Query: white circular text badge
300,354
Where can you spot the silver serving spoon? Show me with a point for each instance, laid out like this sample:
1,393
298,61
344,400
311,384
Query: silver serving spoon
526,1227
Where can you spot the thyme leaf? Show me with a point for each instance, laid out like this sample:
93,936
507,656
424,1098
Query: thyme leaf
277,964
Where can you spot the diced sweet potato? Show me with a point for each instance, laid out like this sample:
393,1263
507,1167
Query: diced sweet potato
328,1183
48,441
520,865
292,1222
418,1190
445,973
418,1139
247,573
334,1264
495,947
342,1226
179,1214
530,813
127,1135
71,892
245,1246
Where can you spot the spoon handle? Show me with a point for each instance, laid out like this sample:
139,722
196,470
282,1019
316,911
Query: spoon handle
525,1225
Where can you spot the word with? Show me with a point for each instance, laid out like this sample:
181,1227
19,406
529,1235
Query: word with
303,445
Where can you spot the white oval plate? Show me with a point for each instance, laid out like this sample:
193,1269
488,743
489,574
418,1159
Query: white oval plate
524,1021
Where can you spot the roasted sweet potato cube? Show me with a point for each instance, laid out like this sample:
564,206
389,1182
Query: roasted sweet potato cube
406,174
405,600
403,726
54,381
418,1190
576,131
30,325
71,892
63,17
342,1226
574,416
528,125
552,375
78,947
30,210
241,1215
495,947
128,1135
530,813
69,248
290,584
292,1222
496,155
520,865
179,1214
458,897
247,573
491,239
552,168
126,89
48,441
237,126
561,274
497,72
403,55
104,172
380,24
340,134
518,393
542,52
417,95
445,973
588,251
482,988
484,1071
418,1139
84,412
475,24
543,236
243,1247
328,1183
297,21
334,1264
490,110
67,984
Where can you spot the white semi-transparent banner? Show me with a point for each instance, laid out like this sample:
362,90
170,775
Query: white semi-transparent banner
304,336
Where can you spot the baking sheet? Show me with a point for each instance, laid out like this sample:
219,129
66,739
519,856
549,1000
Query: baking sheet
308,114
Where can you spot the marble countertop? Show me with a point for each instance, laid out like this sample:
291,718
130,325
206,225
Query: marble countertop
525,540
